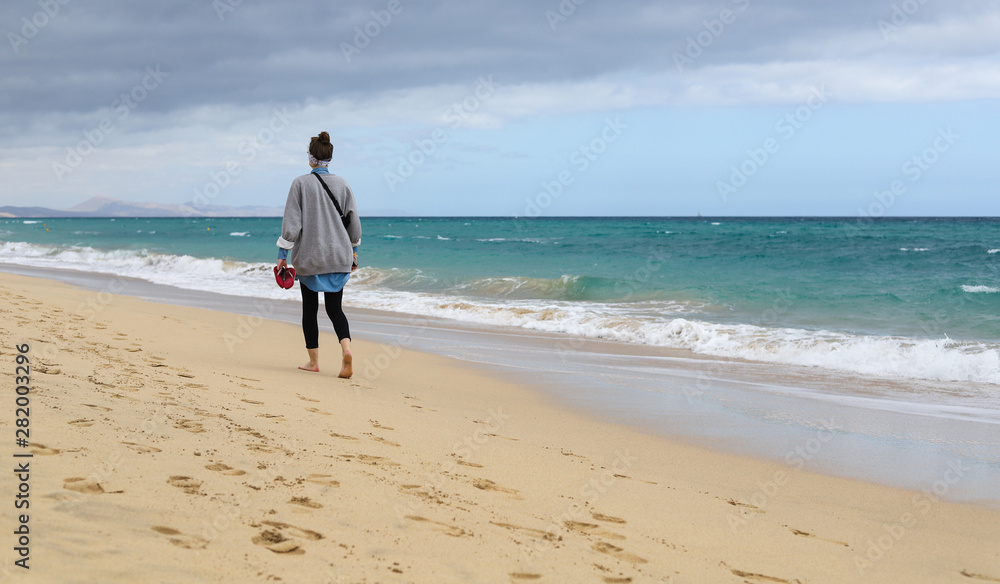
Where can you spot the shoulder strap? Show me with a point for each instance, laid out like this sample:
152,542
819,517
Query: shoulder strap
332,198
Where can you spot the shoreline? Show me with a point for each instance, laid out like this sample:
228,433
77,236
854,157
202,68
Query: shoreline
184,461
727,405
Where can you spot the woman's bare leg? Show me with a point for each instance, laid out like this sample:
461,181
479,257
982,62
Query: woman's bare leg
313,364
347,368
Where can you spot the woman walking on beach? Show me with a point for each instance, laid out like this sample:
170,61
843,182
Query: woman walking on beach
322,230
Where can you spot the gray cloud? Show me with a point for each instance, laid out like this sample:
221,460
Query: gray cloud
89,53
225,76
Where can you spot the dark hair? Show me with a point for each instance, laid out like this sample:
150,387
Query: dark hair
320,147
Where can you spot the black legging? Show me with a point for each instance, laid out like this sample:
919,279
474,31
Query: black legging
310,308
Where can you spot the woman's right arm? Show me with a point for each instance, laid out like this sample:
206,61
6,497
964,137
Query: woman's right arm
354,221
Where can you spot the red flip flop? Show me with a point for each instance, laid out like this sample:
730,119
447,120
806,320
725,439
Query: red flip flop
285,277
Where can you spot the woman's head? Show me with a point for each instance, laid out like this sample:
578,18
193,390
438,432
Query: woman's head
320,149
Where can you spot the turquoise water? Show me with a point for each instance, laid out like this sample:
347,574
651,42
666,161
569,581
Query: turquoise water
893,297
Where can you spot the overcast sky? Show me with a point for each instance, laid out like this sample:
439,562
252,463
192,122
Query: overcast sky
446,107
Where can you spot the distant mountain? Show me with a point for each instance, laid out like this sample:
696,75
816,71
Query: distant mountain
108,207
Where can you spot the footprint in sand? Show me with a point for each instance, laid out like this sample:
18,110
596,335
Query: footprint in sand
975,576
188,484
369,459
96,381
591,529
250,431
523,576
225,469
305,502
189,542
617,552
141,448
82,485
266,448
303,398
317,411
343,437
811,536
254,402
537,533
736,503
616,579
322,479
757,577
375,424
421,491
190,425
293,531
380,439
284,538
444,528
607,518
102,408
277,543
488,485
467,463
621,476
81,423
41,449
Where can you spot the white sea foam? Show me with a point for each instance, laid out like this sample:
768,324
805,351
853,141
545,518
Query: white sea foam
994,251
240,234
914,249
659,323
542,241
887,357
30,222
980,289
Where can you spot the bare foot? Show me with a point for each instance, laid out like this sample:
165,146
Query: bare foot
313,367
347,370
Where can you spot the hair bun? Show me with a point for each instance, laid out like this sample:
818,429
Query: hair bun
324,138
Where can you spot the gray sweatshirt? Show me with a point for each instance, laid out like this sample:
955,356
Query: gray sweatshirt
311,227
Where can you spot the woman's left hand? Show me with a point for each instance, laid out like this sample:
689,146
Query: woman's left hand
282,264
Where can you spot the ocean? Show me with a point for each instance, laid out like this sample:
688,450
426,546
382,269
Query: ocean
886,298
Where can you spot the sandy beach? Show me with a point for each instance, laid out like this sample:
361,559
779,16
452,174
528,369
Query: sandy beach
175,444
